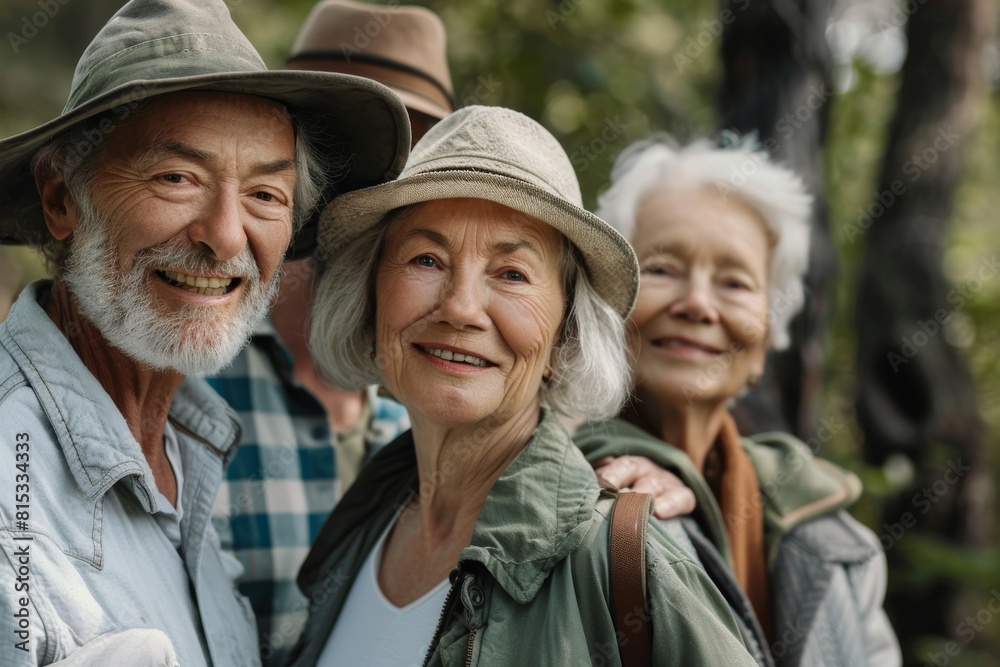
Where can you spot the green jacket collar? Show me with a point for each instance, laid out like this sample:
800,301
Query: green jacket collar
795,486
538,511
619,438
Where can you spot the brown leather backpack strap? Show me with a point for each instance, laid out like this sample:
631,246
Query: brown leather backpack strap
628,578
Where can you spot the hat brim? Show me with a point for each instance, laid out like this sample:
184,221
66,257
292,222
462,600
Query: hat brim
418,102
417,92
364,123
605,251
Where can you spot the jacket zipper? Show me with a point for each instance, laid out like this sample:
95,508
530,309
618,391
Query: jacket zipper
472,643
440,624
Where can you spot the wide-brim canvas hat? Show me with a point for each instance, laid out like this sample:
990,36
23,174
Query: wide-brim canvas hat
152,47
401,46
501,156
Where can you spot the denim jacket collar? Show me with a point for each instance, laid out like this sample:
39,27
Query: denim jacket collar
93,434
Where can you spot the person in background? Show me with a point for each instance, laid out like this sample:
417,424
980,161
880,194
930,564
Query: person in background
165,229
721,267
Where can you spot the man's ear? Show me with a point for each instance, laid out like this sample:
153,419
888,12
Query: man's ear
58,208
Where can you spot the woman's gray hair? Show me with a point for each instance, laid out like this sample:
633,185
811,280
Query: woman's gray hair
741,169
591,373
74,157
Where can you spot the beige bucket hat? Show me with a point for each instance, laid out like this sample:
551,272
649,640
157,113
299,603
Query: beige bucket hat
151,47
502,156
402,46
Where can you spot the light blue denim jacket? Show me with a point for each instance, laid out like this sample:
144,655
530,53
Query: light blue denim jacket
90,551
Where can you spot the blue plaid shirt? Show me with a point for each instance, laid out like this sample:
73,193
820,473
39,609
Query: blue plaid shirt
282,482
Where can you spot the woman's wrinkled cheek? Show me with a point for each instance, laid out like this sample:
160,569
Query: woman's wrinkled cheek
403,301
531,334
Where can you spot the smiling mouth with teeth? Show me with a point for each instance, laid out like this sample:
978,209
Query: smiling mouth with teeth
199,284
456,357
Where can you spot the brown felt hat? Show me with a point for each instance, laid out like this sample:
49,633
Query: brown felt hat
401,46
503,156
152,47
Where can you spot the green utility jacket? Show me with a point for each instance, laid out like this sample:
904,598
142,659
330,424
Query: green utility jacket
532,586
795,486
827,572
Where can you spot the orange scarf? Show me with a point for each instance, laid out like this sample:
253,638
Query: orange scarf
730,473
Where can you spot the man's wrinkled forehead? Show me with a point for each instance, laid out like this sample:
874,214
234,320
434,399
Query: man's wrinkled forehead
157,123
194,106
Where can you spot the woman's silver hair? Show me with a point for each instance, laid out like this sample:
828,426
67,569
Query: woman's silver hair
739,169
590,370
74,157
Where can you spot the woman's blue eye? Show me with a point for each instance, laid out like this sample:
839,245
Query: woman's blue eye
173,178
514,276
264,196
425,260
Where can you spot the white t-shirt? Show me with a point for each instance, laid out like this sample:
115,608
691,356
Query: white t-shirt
373,632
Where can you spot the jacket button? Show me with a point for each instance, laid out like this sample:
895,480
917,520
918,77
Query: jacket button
476,596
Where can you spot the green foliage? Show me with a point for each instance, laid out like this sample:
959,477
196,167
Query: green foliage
859,124
598,74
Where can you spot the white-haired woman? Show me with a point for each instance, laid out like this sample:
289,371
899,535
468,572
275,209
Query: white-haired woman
722,239
479,292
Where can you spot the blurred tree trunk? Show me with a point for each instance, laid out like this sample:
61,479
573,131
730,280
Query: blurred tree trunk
914,395
778,82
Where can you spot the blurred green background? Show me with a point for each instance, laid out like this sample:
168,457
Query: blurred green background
583,67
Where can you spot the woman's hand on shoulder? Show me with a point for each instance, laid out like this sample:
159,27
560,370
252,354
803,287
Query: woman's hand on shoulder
671,497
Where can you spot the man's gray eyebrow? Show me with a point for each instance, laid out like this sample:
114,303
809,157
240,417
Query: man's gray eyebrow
274,167
167,148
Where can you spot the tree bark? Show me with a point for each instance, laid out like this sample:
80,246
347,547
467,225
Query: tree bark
914,394
777,82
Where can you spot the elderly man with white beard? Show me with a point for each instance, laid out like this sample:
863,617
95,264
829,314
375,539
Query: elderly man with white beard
164,198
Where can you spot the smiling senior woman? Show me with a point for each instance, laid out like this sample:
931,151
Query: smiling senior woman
479,292
721,270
